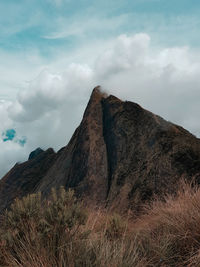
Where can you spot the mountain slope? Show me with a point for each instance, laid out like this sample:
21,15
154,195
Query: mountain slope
23,178
120,155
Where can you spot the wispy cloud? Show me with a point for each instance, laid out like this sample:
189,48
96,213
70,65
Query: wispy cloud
87,26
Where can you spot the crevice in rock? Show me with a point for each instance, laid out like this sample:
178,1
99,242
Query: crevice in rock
107,139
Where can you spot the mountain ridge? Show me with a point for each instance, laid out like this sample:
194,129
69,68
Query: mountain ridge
120,155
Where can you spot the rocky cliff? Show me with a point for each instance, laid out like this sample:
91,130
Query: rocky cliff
121,155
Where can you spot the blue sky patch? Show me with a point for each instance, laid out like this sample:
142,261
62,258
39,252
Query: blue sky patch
11,135
48,26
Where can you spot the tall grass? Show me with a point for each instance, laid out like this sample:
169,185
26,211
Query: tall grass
61,232
172,228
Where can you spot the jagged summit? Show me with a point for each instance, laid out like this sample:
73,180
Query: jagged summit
121,155
98,92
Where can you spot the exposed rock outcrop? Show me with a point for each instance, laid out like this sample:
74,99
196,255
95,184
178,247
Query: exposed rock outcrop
35,153
120,155
23,178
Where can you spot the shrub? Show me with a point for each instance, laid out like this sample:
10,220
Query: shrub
43,231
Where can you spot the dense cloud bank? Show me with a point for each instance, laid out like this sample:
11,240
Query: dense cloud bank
47,111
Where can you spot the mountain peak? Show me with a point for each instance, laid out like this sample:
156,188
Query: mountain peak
98,92
120,155
97,95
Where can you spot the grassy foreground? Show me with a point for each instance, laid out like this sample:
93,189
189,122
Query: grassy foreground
61,232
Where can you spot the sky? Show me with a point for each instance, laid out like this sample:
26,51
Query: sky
54,52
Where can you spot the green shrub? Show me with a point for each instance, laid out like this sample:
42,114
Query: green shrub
52,229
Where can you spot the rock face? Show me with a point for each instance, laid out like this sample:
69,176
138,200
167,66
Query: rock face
23,178
121,155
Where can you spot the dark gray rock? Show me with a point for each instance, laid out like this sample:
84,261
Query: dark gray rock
120,156
35,153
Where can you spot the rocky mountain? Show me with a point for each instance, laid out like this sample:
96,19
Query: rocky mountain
121,155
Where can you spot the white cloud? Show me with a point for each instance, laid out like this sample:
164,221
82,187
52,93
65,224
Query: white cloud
12,153
165,81
49,92
124,54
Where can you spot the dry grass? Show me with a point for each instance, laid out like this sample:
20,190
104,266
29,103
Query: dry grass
61,233
172,228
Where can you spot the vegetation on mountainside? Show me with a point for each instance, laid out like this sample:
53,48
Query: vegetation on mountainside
60,232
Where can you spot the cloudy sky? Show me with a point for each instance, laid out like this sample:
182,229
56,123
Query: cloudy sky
53,52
